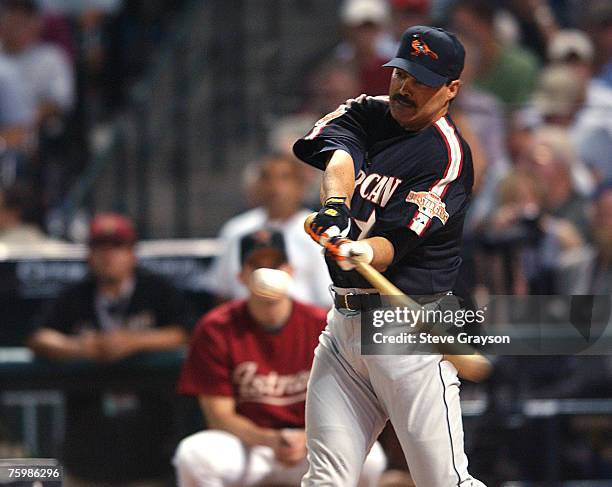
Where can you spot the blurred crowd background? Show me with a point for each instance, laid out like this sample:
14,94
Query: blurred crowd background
161,110
181,115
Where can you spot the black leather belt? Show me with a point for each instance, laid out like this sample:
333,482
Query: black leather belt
357,302
366,302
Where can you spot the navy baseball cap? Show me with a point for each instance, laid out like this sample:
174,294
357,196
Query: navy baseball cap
432,55
263,242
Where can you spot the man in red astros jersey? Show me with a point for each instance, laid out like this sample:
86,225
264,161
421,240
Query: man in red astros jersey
248,364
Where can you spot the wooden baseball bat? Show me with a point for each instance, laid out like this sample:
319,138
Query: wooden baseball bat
470,364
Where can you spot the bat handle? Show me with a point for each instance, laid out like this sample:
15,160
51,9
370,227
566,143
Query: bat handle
308,230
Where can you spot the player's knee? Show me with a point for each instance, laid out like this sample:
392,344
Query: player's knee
327,466
189,452
334,461
373,467
198,454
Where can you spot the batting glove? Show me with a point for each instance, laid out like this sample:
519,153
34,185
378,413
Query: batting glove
333,220
347,253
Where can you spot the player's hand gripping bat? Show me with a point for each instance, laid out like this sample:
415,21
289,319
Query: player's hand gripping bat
470,364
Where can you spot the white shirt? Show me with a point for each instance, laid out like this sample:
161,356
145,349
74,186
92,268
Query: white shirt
24,234
46,74
310,279
592,131
16,107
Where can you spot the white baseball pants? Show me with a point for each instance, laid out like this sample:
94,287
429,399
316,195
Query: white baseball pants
219,459
350,397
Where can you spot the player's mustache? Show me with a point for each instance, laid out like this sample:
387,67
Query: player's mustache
403,99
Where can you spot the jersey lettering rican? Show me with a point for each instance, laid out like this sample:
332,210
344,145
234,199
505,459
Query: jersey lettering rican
412,188
265,371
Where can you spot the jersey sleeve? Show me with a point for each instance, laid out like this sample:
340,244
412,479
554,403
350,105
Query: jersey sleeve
433,198
345,128
207,369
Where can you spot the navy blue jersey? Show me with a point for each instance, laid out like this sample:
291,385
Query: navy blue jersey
412,188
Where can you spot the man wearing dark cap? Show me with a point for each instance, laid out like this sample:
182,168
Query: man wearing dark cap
248,365
114,438
396,187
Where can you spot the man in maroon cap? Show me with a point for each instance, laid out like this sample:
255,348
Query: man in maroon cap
117,311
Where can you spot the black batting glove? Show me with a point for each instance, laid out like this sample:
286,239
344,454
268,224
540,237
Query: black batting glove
333,220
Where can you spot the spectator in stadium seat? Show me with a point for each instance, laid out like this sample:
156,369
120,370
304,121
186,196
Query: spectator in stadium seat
16,107
522,230
282,135
572,48
16,124
559,95
551,156
331,85
558,98
536,23
593,129
280,189
508,72
248,365
589,270
45,71
598,24
114,438
367,45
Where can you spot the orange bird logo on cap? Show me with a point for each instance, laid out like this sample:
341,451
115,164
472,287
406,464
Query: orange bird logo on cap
420,47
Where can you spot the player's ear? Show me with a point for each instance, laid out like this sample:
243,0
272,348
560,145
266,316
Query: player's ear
453,89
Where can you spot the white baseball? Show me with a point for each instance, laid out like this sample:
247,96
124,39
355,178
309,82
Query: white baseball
270,283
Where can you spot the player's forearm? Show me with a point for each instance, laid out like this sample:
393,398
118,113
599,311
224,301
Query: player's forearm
15,137
165,338
244,429
383,252
53,344
339,177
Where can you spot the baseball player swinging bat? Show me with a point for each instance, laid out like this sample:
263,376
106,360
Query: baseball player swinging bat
470,364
